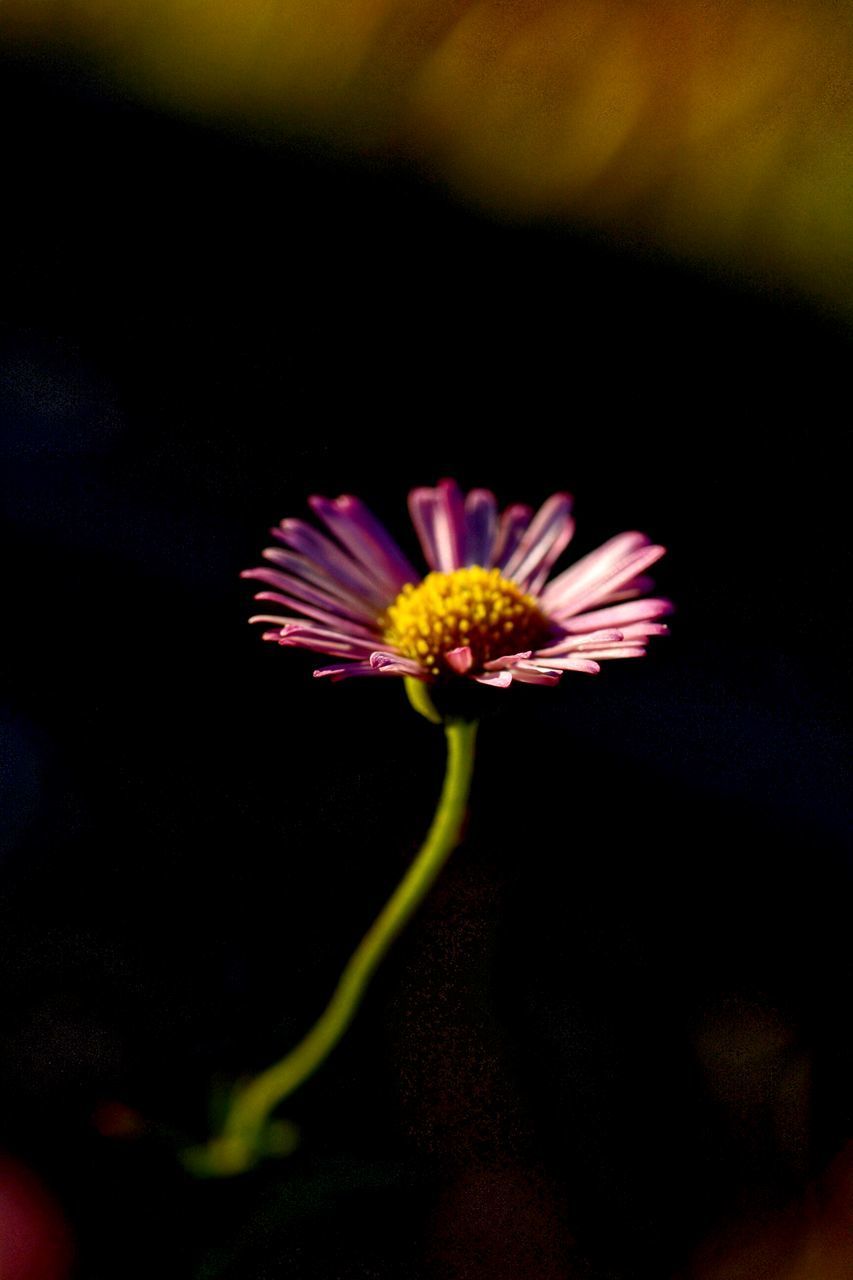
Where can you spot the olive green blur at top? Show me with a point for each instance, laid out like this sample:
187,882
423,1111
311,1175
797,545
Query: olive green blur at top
248,1134
717,132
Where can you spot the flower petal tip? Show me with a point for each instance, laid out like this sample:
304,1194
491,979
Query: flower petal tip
461,659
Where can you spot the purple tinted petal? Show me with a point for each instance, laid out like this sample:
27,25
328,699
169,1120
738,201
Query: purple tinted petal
395,664
368,600
547,536
313,630
357,529
481,527
422,503
513,523
324,553
311,594
379,540
450,499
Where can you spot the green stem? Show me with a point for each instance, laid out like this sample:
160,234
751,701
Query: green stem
243,1133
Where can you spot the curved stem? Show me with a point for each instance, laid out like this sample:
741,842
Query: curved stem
241,1142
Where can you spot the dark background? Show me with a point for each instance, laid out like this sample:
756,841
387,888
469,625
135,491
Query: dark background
622,1020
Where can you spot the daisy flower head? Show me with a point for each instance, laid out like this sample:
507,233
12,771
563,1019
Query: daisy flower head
486,609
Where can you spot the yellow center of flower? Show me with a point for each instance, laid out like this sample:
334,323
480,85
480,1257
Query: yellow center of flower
474,607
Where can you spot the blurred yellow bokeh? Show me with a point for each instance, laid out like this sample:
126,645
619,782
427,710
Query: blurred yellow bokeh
719,131
811,1239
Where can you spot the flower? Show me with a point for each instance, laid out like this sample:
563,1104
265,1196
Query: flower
486,610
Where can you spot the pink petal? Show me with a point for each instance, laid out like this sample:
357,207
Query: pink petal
508,660
496,679
644,630
616,615
320,615
575,663
597,587
275,619
461,659
616,651
639,586
345,670
568,644
599,563
547,536
439,519
530,673
481,527
299,636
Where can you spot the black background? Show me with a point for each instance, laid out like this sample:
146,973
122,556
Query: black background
198,330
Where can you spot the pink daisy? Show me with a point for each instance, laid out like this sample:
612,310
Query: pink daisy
486,610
